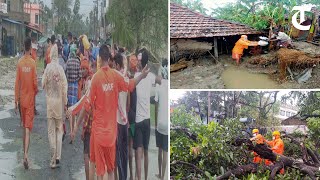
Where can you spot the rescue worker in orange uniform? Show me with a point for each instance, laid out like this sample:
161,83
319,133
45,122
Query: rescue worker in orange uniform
259,139
26,88
277,145
105,87
240,45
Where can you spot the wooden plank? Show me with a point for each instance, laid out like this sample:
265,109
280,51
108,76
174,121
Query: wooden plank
215,46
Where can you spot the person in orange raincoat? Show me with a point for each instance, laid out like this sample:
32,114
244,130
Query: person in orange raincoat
26,88
240,45
277,145
105,87
259,139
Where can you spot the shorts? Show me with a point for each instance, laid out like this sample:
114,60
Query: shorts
72,93
131,130
86,143
102,156
162,141
27,117
142,134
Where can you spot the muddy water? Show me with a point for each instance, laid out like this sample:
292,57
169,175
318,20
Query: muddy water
239,78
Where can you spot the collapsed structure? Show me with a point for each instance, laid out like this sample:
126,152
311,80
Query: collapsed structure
194,34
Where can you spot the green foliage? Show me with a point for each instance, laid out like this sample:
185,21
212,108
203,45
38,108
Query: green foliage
138,23
314,126
216,154
258,14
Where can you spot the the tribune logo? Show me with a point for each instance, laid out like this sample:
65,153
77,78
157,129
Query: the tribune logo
301,10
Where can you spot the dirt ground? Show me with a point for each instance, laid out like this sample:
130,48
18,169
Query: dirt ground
205,74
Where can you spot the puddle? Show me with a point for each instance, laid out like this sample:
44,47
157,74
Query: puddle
239,78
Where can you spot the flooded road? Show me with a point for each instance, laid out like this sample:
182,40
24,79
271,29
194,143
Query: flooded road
240,78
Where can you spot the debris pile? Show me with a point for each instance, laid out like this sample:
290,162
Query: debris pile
290,59
262,61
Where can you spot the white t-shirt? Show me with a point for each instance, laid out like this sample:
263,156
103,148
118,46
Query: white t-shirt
162,99
143,90
122,106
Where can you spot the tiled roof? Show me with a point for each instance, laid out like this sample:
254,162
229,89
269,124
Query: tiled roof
185,23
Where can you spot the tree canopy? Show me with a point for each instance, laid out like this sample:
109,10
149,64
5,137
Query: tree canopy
137,23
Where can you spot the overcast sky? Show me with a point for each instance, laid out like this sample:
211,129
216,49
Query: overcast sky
85,6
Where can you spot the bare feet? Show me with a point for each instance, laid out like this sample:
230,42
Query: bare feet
25,163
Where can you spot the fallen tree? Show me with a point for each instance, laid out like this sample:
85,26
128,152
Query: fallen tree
309,166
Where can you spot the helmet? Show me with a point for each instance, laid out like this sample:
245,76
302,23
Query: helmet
255,131
276,133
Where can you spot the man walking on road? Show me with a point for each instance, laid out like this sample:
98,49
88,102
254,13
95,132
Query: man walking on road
26,88
55,84
73,76
142,127
104,93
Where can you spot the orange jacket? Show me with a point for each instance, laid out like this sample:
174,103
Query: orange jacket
104,92
26,85
277,146
240,45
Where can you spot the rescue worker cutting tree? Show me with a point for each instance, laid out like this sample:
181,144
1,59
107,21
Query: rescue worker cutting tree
277,145
258,139
240,45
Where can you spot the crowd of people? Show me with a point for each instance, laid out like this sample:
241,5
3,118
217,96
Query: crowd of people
105,90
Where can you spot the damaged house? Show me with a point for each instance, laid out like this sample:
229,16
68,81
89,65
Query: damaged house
193,34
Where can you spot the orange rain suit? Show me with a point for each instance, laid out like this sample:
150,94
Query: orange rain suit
26,88
277,146
105,87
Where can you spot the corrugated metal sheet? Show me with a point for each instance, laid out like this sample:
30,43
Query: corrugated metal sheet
185,23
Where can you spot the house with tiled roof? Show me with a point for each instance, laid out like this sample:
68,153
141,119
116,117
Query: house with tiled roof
189,27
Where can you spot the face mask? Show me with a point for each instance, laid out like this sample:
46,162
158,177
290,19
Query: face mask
254,135
273,138
139,56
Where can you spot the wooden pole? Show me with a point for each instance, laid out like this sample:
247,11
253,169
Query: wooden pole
215,43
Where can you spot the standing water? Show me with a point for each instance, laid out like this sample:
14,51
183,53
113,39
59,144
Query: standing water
239,78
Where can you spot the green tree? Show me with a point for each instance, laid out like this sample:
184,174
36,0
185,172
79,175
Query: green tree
195,5
137,23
